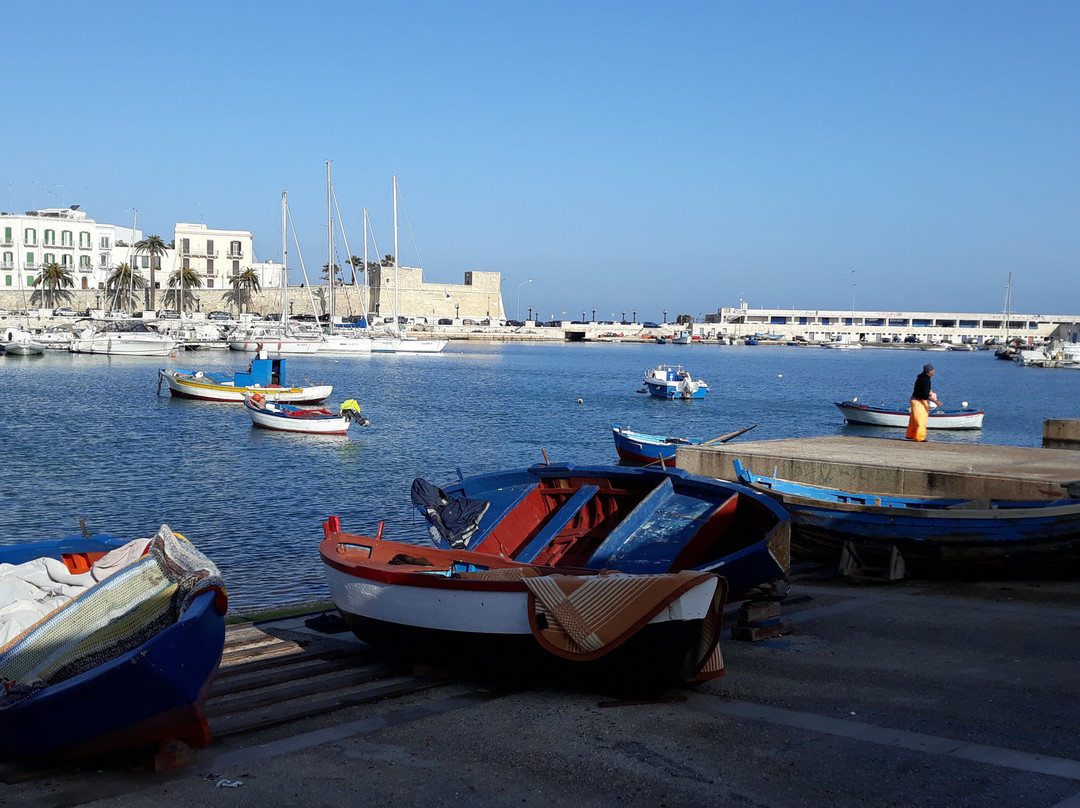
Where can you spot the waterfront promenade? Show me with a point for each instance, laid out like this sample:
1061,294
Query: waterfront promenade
917,695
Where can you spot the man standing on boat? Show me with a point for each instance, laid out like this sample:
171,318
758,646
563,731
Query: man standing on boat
921,397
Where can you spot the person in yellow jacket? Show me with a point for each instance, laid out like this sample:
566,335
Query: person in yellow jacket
921,398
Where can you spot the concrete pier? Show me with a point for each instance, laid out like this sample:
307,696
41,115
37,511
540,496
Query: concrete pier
901,467
1061,433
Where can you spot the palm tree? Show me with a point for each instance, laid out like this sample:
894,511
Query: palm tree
337,273
181,282
122,283
388,260
356,264
49,280
155,247
246,282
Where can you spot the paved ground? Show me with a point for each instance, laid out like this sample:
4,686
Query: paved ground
919,694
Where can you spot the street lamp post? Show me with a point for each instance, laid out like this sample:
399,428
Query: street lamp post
530,313
594,314
635,316
517,311
623,316
582,316
665,315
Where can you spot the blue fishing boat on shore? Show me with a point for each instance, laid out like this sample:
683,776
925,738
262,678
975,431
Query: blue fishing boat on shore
634,520
958,538
95,666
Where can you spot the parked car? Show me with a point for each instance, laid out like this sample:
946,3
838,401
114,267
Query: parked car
445,321
514,323
649,325
64,311
219,315
168,314
911,338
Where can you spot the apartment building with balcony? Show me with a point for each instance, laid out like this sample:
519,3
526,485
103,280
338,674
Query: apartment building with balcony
65,236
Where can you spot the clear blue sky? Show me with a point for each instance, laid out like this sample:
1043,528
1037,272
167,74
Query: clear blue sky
623,155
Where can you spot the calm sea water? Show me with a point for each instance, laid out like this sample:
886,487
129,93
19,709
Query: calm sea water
92,437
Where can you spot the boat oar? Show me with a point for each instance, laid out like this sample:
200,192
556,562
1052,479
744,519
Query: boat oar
729,436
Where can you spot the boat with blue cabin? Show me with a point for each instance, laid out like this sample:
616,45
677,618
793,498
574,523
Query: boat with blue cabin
264,376
672,381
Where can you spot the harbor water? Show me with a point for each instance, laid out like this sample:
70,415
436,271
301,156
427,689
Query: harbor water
94,438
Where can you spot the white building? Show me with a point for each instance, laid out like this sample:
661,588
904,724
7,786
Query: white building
93,250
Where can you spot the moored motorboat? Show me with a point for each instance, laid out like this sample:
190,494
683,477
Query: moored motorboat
933,536
21,343
636,520
672,381
120,338
274,340
310,421
265,376
939,418
633,634
111,645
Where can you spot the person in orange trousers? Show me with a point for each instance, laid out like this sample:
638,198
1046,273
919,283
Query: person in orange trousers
921,398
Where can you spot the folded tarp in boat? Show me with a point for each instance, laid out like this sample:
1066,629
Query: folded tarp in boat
456,519
127,607
584,617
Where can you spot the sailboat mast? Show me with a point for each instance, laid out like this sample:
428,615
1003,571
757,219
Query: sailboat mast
329,251
395,253
364,299
284,264
1008,307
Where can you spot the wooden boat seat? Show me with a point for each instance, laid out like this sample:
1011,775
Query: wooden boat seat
558,521
666,531
509,498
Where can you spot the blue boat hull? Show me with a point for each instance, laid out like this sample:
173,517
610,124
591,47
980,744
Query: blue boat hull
636,520
935,537
153,693
637,447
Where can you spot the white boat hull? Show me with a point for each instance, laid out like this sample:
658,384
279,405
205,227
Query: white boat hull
407,345
277,345
316,425
124,345
963,419
469,611
349,346
186,385
24,347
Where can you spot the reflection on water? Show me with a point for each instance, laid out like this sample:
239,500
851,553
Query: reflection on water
89,436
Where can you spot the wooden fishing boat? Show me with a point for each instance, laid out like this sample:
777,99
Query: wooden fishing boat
933,536
672,381
939,418
635,520
633,634
264,376
311,421
126,662
639,447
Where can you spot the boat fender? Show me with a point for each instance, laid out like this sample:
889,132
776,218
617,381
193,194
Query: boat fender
199,374
257,399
